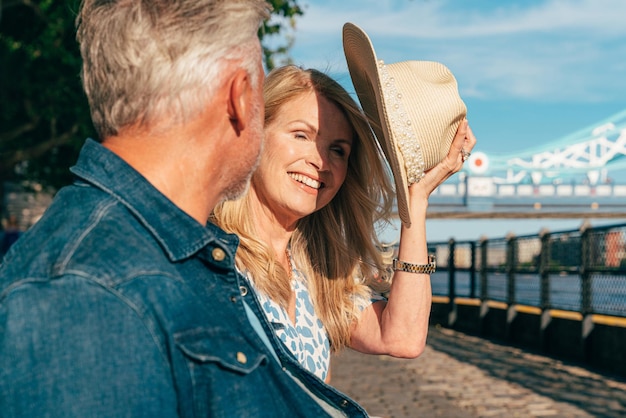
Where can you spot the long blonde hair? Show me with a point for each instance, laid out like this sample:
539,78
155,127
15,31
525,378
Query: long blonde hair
337,246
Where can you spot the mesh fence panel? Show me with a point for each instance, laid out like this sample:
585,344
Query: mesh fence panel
582,271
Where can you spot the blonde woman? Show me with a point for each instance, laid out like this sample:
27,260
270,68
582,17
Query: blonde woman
307,227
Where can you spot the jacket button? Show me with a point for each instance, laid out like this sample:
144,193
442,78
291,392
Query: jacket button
218,254
243,290
241,357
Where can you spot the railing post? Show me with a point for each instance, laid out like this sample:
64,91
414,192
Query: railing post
544,276
511,261
586,309
585,274
451,283
484,289
472,271
544,269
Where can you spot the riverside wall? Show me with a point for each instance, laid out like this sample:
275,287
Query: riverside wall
598,341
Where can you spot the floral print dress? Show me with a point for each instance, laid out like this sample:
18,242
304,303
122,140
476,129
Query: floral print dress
306,339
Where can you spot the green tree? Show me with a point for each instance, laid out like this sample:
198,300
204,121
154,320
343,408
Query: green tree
43,110
44,117
277,32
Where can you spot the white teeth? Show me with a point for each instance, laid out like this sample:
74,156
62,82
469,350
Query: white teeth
306,180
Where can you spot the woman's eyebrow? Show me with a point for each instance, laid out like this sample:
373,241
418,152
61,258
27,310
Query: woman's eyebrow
304,122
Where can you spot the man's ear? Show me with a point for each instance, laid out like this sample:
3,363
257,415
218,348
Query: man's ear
240,95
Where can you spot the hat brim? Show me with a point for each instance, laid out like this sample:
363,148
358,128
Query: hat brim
363,67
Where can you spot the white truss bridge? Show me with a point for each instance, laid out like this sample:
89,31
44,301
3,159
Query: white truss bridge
571,175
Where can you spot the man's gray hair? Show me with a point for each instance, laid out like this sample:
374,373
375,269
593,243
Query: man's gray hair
146,61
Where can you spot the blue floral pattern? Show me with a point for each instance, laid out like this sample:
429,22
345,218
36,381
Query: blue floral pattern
307,338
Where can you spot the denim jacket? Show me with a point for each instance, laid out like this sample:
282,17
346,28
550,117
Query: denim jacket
118,304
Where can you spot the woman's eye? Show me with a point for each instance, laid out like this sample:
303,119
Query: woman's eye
300,135
340,151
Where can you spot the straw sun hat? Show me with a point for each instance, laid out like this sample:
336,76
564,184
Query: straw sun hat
413,107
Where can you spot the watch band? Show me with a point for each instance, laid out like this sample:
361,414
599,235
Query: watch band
416,268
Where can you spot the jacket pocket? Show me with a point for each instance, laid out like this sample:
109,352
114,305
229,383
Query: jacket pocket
220,347
223,373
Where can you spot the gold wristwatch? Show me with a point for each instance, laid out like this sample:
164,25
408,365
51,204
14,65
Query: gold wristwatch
416,268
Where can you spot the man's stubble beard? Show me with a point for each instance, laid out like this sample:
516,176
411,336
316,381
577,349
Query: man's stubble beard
239,188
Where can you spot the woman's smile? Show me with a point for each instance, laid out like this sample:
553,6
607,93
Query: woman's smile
307,181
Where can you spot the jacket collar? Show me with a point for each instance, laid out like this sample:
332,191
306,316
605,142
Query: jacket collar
179,234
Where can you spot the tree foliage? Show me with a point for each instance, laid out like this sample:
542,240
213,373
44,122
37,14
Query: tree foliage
280,25
44,117
43,110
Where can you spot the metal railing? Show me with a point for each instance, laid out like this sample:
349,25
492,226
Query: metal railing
580,270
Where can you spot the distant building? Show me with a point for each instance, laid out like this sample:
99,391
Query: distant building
25,204
614,248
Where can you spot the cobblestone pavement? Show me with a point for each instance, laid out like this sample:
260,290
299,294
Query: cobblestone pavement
460,375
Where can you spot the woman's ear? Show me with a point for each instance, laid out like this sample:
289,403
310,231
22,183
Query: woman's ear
239,99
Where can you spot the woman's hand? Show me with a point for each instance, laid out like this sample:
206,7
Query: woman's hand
464,141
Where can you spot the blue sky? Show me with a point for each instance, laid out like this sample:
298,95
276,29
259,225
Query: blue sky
530,72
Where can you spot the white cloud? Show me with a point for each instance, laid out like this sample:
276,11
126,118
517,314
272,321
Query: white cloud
445,19
556,50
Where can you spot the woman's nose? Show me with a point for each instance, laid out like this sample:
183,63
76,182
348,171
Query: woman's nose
316,158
